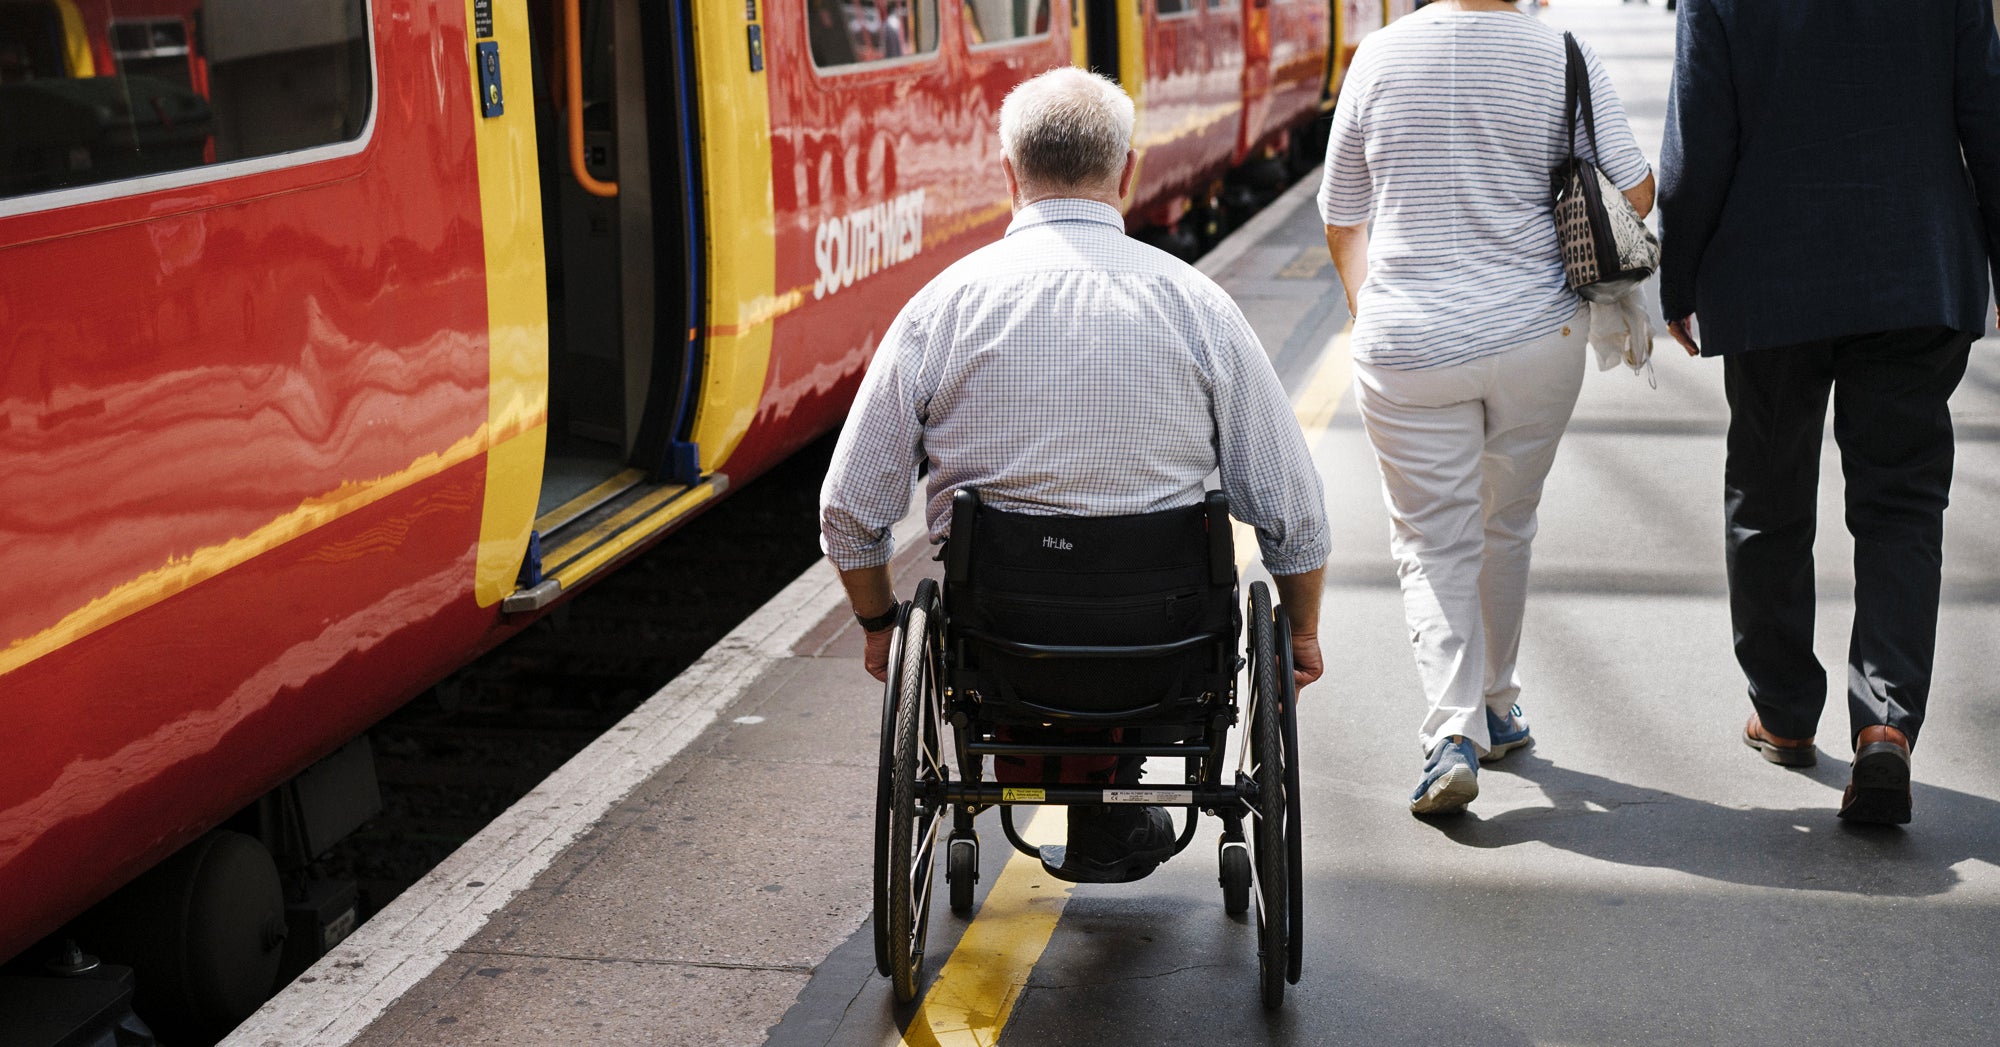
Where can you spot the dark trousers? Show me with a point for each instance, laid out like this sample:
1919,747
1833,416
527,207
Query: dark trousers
1890,419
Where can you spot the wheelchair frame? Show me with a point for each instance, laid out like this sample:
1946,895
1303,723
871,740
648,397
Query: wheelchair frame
915,787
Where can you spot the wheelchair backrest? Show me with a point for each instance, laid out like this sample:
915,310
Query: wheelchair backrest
1125,618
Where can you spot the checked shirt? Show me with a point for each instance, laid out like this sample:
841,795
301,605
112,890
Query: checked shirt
1068,369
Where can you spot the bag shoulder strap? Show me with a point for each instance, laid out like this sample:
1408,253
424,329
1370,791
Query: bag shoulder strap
1576,93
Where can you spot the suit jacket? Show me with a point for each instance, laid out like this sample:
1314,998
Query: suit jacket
1831,167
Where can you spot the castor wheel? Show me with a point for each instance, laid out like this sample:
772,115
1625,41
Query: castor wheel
1234,857
961,871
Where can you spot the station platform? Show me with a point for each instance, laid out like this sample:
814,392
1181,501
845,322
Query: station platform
700,875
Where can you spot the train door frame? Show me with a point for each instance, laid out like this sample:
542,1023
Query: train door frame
663,443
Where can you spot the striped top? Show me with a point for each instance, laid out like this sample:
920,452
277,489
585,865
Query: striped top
1071,370
1448,127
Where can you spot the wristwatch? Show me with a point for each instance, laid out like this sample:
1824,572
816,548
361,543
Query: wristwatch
880,622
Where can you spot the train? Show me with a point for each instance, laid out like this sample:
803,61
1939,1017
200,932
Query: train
341,339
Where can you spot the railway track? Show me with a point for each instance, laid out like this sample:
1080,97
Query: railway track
457,756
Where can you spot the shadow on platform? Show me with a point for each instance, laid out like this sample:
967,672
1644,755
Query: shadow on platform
1802,848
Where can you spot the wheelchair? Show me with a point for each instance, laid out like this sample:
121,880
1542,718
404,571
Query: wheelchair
1124,625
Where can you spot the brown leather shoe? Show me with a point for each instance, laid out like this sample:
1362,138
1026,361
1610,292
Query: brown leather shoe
1785,752
1879,792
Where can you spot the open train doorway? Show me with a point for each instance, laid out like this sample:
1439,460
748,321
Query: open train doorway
617,149
614,132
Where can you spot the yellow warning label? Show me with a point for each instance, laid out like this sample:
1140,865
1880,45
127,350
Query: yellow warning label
1022,796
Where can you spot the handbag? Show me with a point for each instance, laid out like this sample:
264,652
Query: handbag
1606,248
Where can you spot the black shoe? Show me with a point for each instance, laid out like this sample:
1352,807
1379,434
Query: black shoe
1114,843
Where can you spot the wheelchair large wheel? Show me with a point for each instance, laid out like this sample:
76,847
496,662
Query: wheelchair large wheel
1295,903
1269,854
885,797
907,824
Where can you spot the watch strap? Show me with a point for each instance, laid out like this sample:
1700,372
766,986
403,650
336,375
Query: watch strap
879,622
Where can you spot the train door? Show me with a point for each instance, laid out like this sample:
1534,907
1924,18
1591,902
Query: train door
615,129
1098,23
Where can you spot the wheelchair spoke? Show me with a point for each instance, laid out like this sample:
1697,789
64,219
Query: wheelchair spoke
920,859
1257,894
921,897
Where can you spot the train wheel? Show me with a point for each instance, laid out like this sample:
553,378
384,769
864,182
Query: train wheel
203,932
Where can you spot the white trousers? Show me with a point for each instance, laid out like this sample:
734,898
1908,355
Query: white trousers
1463,451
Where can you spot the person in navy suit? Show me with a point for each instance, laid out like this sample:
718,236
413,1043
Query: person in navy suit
1830,210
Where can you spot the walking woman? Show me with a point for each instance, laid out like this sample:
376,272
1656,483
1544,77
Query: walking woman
1468,343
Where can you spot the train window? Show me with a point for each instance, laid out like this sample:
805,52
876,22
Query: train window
99,91
1213,4
854,32
1169,8
1001,21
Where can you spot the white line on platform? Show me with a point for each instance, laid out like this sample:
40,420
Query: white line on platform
1258,228
357,982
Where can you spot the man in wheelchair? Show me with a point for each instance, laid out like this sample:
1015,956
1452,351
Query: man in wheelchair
1069,371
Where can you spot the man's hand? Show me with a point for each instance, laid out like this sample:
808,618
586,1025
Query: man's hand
1298,596
1682,330
1306,665
875,653
870,593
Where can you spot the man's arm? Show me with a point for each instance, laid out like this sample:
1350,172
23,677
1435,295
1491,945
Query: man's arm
1698,159
1298,596
872,595
867,486
1977,95
1269,476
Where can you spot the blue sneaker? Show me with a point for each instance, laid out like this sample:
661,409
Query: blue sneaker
1505,736
1451,780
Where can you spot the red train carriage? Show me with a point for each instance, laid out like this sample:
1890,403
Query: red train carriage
340,338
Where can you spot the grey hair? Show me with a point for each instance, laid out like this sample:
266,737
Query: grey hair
1066,128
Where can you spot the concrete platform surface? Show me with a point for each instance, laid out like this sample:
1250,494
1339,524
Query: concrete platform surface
700,875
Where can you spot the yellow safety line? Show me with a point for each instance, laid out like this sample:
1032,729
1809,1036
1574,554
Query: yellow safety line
974,993
1316,406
